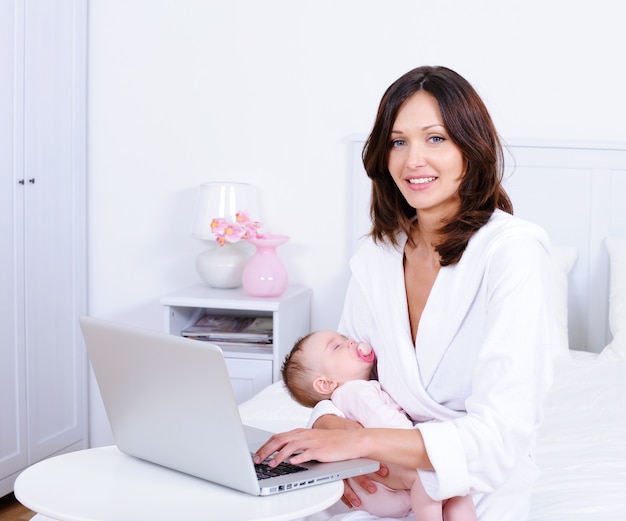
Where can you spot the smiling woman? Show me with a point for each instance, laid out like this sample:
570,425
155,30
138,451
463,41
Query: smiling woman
454,293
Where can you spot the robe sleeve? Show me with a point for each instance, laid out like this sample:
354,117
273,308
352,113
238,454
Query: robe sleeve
478,451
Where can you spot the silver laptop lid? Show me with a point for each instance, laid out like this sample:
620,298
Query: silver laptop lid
169,401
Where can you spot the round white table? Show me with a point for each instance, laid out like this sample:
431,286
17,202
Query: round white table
103,484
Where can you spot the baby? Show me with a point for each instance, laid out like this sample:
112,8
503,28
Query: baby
326,365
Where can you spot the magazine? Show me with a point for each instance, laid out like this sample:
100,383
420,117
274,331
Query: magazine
232,328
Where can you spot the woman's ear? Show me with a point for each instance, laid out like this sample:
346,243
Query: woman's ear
323,386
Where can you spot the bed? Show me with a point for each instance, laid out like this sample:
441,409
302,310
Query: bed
577,192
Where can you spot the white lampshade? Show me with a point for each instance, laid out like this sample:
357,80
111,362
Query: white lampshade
223,200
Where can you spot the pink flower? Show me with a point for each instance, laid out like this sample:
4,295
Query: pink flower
243,228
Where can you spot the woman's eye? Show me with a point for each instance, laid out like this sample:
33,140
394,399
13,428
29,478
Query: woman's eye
397,143
436,139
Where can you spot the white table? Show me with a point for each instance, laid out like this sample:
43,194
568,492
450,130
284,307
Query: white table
104,484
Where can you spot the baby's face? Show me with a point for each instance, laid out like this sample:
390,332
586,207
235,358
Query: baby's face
338,357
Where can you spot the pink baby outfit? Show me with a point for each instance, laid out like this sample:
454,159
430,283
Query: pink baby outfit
364,401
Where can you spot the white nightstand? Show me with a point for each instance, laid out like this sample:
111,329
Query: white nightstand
251,369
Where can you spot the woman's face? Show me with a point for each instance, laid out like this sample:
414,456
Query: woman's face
425,164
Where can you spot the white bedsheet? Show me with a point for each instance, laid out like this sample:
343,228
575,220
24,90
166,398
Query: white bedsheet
581,448
582,444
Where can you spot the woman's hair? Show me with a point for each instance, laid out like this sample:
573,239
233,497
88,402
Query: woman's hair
470,127
298,376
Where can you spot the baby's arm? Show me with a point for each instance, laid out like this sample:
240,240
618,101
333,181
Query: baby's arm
364,401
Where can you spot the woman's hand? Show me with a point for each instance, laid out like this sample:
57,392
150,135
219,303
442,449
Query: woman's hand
350,498
301,445
305,440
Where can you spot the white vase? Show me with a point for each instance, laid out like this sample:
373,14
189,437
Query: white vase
222,266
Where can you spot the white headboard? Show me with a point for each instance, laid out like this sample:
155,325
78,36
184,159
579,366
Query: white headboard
577,192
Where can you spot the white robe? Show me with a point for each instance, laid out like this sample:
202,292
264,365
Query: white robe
480,365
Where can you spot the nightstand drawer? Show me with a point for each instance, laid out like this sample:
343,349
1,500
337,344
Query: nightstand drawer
248,376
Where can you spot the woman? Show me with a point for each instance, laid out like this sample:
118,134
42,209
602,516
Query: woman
455,293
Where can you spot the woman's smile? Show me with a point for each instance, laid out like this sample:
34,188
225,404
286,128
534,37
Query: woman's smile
421,182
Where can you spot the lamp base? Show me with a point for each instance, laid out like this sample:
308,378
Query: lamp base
222,266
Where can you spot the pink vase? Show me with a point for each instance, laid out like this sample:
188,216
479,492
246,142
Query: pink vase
265,275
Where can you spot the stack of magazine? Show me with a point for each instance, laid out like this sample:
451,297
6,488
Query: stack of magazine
230,331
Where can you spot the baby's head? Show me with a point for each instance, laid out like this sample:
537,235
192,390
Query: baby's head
322,361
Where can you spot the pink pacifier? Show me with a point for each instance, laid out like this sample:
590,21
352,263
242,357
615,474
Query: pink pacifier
366,357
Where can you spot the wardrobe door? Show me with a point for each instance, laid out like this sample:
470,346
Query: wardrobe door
54,222
43,370
13,439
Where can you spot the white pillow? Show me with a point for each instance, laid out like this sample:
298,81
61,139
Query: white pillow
617,285
563,259
272,409
616,248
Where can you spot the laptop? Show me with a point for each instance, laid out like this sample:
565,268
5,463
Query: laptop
169,401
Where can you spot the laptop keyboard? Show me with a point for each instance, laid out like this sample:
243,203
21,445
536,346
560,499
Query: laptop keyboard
264,471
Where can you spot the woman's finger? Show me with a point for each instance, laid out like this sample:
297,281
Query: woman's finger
277,445
365,482
349,498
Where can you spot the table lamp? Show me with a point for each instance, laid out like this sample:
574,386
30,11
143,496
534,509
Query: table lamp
222,266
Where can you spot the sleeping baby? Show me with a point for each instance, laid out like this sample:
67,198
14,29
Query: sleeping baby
326,365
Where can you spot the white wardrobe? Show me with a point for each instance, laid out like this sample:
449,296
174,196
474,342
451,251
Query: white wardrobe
43,369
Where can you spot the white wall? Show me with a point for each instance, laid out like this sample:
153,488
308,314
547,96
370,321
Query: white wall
268,92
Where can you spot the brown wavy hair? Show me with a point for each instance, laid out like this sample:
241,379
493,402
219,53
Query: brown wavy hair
470,127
